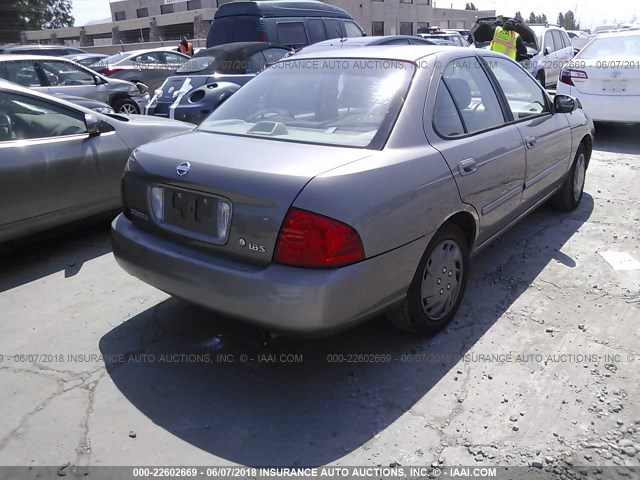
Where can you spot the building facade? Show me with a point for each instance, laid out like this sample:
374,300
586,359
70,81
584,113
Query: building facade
138,21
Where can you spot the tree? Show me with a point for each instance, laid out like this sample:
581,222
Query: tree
20,15
518,16
568,21
470,6
533,18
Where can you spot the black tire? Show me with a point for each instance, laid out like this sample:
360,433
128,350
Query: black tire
570,193
126,105
541,78
412,315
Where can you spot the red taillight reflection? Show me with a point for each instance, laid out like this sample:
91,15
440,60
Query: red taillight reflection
307,239
567,75
107,72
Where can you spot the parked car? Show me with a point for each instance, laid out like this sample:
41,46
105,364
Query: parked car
368,42
453,37
60,162
91,60
59,75
316,197
548,47
605,77
49,50
210,77
149,67
293,23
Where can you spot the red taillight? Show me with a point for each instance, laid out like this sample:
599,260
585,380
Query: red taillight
107,72
567,74
307,239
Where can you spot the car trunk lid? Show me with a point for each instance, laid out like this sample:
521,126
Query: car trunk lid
606,77
258,178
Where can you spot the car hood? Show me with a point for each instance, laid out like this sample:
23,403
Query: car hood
482,31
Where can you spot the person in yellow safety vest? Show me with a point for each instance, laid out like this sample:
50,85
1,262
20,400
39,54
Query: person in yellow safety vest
506,40
185,47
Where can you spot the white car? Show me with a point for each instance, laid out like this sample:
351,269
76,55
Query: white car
554,52
605,77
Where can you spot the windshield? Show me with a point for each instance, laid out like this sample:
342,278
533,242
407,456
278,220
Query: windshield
324,101
617,47
112,59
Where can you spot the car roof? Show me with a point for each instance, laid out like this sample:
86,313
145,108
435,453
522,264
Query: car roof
368,40
621,33
409,53
22,56
280,8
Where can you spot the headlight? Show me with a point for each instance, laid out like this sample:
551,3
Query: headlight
156,200
142,88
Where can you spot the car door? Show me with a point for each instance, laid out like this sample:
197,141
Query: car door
545,135
484,152
67,78
51,169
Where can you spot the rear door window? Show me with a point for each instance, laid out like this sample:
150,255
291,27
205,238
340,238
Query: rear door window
26,73
333,28
291,33
316,30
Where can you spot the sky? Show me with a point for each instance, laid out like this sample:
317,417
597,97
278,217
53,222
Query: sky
590,12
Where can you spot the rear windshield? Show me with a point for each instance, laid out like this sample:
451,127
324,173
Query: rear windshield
324,101
112,59
614,47
240,28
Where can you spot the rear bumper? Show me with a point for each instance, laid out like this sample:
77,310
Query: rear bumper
278,297
605,108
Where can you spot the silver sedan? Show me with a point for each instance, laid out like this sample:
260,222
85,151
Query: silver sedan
340,184
60,162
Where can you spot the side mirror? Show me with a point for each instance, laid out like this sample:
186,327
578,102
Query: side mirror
546,51
92,123
564,104
97,80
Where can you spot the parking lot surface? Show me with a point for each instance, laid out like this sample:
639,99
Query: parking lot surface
539,368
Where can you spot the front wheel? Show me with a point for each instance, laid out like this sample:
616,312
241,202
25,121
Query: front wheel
126,106
570,193
438,286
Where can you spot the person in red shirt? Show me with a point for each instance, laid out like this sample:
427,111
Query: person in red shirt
185,47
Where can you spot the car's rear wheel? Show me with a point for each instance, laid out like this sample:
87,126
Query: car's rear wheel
570,193
540,76
438,286
126,106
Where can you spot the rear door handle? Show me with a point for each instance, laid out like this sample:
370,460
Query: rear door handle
530,142
467,167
